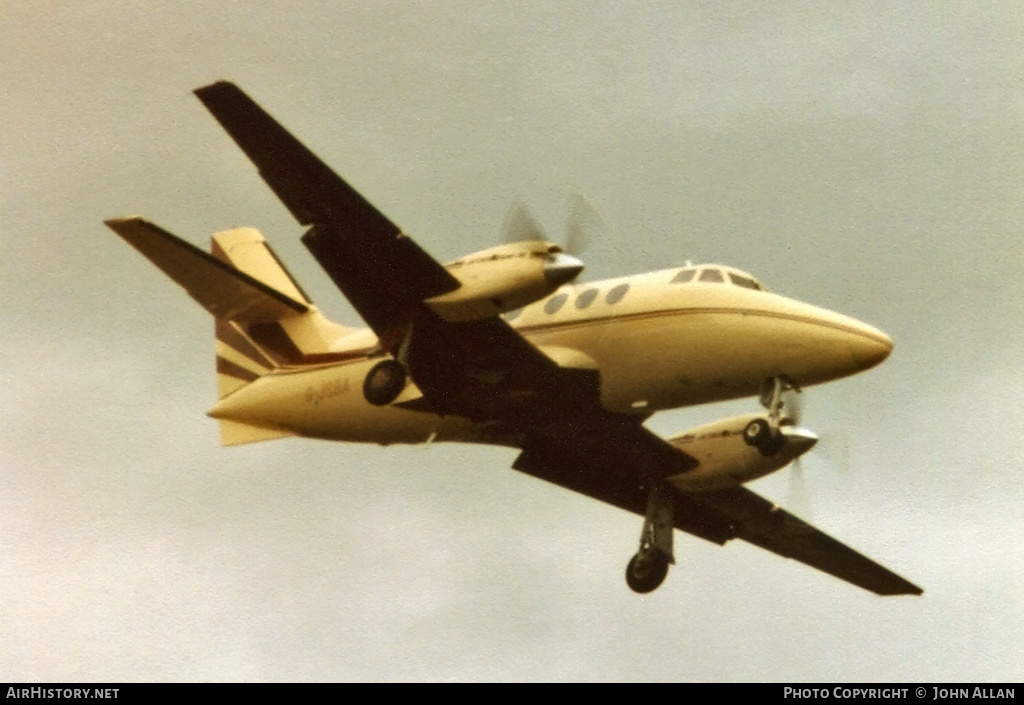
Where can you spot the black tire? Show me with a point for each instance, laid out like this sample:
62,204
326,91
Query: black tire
652,575
384,382
757,433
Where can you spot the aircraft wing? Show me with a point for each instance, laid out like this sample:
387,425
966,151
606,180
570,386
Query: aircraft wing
483,369
721,516
383,273
758,521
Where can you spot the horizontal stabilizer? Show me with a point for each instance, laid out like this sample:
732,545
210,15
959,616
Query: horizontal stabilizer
219,287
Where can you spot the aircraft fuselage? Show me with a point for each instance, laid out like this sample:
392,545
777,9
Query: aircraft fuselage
657,344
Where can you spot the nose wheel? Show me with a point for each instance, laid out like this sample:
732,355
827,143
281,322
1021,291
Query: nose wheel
764,434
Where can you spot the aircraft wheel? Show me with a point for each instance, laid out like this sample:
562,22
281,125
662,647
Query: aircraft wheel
384,382
647,576
757,433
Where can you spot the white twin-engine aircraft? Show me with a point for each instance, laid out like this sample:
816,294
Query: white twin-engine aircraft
568,381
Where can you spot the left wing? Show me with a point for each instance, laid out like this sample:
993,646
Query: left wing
721,516
758,521
381,271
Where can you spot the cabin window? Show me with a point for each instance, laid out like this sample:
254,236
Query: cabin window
615,295
711,275
555,303
513,314
685,275
586,298
746,282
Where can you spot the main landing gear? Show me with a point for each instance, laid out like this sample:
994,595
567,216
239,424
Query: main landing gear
384,382
648,568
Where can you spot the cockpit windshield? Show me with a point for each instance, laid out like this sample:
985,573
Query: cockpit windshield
716,275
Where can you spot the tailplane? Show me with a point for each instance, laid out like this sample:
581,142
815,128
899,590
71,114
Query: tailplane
263,318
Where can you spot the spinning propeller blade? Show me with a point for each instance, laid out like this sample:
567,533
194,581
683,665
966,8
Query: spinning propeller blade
582,224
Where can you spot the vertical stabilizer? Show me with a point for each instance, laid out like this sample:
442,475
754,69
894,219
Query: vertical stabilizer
288,340
263,318
249,252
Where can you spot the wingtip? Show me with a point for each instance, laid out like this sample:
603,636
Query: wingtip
215,87
907,588
115,223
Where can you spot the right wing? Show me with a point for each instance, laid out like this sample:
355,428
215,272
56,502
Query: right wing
382,272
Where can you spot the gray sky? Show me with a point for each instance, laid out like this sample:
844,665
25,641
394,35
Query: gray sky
867,157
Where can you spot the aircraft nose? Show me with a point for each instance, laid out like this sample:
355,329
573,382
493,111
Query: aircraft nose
561,268
870,346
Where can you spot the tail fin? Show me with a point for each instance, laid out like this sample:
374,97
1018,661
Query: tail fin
263,319
283,340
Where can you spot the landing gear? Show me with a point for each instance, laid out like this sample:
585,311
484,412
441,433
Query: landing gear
645,574
648,568
384,382
764,434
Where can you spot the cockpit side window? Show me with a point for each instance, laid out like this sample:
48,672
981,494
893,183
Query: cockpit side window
685,275
747,282
711,275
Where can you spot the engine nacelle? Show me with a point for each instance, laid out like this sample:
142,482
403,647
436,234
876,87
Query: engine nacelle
504,278
733,451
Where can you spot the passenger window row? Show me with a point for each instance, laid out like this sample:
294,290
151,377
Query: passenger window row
587,297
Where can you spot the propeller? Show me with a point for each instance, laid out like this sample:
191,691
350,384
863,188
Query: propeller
582,223
833,448
797,497
520,226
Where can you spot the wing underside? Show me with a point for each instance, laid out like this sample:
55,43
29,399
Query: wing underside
720,516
